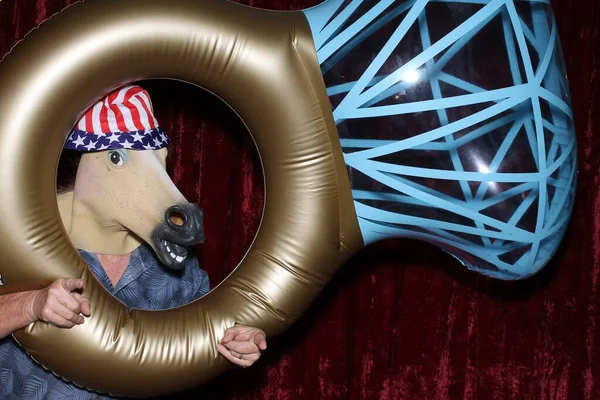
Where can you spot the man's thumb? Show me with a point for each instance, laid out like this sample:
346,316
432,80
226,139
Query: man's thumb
71,284
229,335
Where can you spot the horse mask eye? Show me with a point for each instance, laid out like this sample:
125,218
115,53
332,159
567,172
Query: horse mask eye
117,157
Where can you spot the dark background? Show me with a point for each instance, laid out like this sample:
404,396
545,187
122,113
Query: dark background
402,320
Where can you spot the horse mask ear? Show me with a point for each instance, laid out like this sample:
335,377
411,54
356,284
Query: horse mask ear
121,182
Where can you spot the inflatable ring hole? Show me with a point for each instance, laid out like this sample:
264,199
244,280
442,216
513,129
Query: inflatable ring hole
213,161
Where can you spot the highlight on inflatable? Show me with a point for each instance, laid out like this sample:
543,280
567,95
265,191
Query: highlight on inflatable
440,120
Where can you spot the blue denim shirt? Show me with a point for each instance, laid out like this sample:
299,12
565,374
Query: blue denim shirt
146,284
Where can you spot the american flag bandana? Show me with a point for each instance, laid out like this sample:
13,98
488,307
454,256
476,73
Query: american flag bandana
124,119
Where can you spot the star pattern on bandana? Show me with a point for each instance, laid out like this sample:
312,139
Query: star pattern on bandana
137,137
78,141
90,146
148,139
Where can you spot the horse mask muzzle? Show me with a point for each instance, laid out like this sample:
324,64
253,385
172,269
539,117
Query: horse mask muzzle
183,227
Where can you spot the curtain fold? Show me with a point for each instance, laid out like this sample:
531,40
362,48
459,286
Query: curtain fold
402,320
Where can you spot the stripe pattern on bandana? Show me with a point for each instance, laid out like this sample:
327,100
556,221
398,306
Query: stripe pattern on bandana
124,119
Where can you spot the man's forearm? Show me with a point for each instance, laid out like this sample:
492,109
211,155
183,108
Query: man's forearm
15,312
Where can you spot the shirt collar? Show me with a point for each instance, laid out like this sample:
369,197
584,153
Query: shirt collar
138,264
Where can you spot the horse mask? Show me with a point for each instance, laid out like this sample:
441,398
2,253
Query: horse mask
122,195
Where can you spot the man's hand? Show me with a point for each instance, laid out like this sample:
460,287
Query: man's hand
242,345
60,304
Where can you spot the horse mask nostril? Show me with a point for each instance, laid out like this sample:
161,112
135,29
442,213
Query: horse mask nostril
178,218
185,221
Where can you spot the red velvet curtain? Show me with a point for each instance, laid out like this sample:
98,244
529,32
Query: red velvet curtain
401,320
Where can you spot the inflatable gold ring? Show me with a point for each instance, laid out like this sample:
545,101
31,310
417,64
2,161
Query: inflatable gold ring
272,80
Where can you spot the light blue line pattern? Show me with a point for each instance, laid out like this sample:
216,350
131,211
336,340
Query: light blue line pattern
506,217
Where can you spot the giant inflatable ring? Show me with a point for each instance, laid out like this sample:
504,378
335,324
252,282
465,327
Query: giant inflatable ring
454,123
272,81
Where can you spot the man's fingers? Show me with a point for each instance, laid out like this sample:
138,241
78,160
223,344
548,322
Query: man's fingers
70,315
69,301
242,347
260,340
235,354
86,308
248,357
59,321
66,313
230,334
71,284
234,360
243,336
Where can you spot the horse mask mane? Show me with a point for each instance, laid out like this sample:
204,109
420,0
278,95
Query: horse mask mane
122,195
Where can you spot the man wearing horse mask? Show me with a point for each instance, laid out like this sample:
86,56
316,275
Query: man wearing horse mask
131,226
